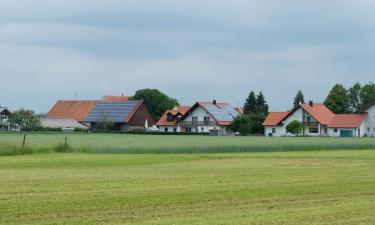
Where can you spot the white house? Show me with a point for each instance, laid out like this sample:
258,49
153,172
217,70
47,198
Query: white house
209,117
318,120
4,121
369,125
169,122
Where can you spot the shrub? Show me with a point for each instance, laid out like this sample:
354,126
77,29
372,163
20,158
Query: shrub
295,127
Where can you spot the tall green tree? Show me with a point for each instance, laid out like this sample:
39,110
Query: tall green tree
251,104
156,101
367,95
26,119
242,124
261,106
300,98
355,102
338,100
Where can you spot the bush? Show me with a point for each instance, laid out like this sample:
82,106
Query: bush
295,127
242,124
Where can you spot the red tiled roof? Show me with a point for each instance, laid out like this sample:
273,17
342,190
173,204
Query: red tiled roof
115,98
77,110
320,112
274,118
182,109
163,121
347,120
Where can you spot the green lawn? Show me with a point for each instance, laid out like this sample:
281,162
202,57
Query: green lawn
121,143
314,187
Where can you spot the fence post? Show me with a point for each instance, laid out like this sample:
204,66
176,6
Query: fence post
66,141
24,141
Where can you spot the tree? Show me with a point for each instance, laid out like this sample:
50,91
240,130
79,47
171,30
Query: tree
261,106
242,124
295,127
251,104
26,119
338,100
156,101
299,99
355,103
367,95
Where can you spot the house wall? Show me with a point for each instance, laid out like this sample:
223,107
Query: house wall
170,129
369,124
279,131
332,133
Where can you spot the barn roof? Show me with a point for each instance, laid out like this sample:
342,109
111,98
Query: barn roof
77,110
113,111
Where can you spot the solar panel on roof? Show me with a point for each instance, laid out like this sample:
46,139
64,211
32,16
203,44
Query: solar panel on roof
221,112
116,112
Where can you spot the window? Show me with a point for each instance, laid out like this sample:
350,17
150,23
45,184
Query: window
368,129
313,130
206,120
166,129
194,119
175,130
308,119
335,130
273,130
202,130
326,130
170,117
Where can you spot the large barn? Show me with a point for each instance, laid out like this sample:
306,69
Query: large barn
122,115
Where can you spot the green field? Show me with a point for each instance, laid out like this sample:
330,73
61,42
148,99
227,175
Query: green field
121,143
314,187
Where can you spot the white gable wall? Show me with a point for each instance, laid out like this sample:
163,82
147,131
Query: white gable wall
369,125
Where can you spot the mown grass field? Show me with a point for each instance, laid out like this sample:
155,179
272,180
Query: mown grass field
121,143
311,187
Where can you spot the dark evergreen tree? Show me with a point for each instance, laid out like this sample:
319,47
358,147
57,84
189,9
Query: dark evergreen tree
261,106
251,104
298,99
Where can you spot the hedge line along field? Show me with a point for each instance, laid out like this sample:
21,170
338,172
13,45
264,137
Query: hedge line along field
301,188
124,143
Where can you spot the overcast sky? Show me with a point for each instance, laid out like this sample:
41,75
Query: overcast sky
192,50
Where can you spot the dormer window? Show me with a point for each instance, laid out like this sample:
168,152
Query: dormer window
170,118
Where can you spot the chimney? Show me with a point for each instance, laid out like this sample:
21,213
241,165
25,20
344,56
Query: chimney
214,102
311,103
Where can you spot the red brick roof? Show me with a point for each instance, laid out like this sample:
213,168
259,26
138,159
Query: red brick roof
274,118
115,98
77,110
347,120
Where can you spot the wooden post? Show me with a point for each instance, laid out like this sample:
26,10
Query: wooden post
24,140
66,141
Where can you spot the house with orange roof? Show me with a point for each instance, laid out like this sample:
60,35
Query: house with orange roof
318,120
169,122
